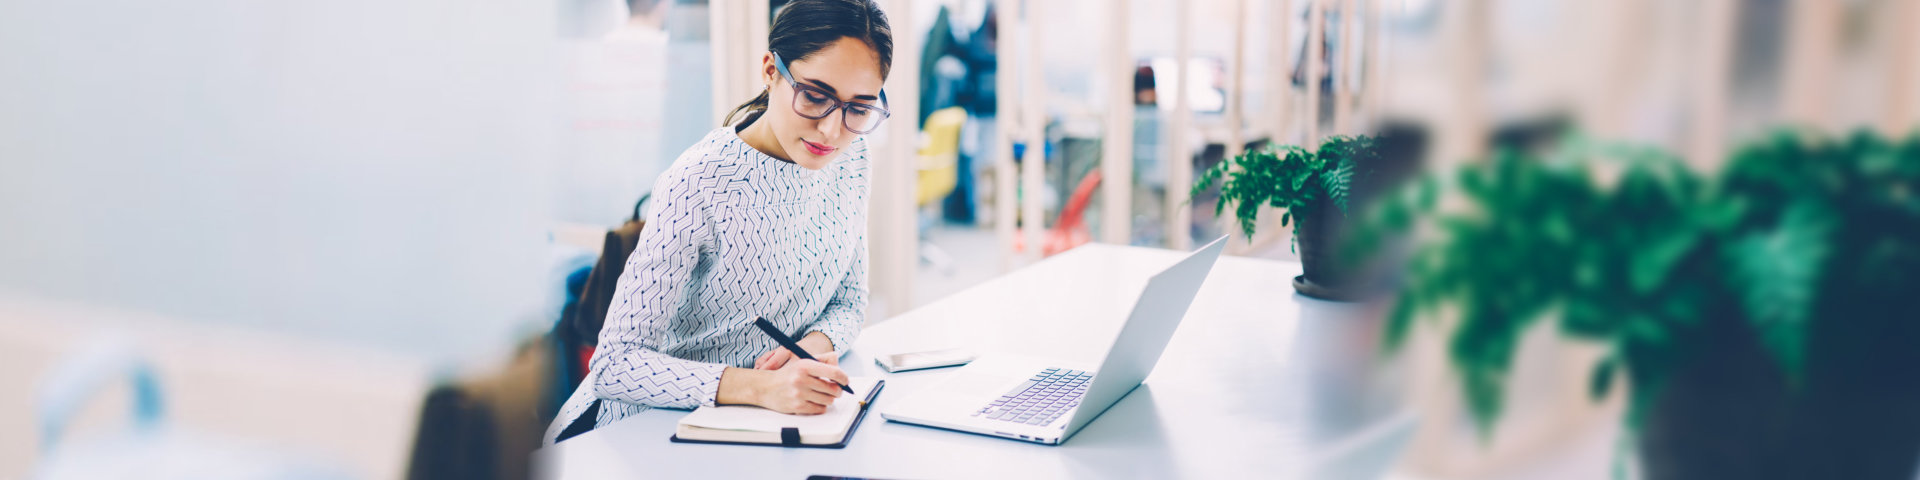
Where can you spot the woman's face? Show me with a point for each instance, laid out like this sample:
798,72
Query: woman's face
847,69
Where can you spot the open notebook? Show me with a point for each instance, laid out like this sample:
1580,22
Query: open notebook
743,424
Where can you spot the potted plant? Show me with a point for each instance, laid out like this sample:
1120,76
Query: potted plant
1313,190
1762,316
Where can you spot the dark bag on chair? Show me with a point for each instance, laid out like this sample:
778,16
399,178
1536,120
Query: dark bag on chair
579,330
597,295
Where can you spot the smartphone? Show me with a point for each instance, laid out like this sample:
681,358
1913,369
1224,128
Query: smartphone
901,362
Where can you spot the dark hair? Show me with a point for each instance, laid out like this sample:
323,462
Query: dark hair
807,26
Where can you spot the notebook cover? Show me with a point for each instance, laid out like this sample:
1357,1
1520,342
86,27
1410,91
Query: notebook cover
851,429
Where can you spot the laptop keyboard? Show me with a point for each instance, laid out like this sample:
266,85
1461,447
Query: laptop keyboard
1041,399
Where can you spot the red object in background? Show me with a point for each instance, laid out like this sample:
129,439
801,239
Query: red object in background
586,359
1071,230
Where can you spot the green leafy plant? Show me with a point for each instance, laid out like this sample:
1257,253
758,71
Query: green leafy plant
1795,230
1290,178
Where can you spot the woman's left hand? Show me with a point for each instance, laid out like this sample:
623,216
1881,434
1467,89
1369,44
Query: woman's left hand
814,343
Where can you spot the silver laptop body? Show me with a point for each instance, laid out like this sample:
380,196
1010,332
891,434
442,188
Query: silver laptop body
1042,400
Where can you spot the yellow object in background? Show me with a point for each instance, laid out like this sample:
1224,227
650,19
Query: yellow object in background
939,157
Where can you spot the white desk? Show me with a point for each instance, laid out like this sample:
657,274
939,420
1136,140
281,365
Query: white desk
1234,396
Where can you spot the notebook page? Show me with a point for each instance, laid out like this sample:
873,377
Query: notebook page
756,419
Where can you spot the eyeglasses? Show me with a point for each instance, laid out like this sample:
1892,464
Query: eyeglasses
815,103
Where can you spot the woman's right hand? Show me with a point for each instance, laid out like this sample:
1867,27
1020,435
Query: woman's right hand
797,387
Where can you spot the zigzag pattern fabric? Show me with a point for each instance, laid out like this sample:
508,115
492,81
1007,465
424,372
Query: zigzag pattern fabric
733,235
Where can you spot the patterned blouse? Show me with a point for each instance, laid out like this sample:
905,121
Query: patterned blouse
733,235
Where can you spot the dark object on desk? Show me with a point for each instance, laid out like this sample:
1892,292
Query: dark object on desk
785,341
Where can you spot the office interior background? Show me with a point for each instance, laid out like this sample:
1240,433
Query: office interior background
302,217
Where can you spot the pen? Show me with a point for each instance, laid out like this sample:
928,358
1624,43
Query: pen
766,326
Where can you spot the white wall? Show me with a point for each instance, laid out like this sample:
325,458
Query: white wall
363,170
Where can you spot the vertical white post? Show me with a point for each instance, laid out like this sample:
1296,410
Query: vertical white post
1713,59
1458,139
1280,89
739,36
1811,43
1116,164
1617,65
1033,122
1236,115
1179,162
1343,82
1005,186
1465,135
1236,85
1314,54
726,92
757,18
892,229
1902,101
1374,58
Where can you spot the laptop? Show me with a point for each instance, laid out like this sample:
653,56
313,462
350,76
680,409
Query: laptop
1045,401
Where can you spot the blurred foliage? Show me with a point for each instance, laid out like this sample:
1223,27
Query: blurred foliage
1290,178
1627,247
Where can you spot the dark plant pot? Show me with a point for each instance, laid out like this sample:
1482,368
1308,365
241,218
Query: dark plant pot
1331,272
1326,276
1728,412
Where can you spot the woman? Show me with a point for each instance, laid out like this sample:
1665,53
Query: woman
765,217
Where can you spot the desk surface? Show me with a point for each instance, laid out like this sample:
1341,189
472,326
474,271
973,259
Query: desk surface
1245,388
